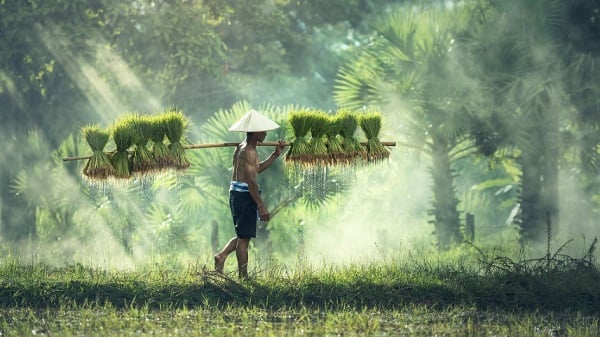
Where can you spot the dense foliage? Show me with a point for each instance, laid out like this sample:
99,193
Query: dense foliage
499,99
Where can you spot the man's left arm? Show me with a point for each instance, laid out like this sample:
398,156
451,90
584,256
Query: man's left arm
267,162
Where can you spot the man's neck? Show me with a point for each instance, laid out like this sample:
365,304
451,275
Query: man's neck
251,141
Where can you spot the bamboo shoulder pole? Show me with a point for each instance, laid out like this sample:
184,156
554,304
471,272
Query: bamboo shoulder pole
229,144
225,144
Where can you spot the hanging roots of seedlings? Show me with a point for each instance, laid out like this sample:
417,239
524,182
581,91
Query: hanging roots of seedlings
370,123
335,151
160,151
142,161
99,165
300,123
348,123
123,137
317,149
176,126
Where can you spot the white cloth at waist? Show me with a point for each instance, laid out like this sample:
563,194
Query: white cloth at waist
238,186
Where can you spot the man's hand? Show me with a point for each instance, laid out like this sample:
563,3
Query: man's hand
279,148
264,214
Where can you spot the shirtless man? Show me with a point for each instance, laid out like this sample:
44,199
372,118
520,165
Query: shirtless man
244,197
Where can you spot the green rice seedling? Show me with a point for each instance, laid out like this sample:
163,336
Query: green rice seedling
160,151
98,166
348,124
335,151
142,160
300,123
317,148
370,123
176,125
124,137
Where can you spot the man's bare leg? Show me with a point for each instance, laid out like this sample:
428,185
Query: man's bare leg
221,256
241,253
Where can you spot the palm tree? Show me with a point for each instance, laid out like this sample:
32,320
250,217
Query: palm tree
522,78
579,37
414,71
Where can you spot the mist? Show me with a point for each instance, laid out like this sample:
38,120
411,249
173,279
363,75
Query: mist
379,218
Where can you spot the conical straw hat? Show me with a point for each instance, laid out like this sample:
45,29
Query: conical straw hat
253,121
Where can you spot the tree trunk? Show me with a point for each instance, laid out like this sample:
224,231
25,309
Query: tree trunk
550,172
445,205
539,182
531,221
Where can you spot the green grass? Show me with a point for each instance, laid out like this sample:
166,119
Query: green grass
105,320
402,298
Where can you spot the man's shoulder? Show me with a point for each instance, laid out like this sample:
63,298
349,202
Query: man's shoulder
247,149
247,154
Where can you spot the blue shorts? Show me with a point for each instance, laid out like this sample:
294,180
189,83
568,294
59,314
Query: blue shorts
244,213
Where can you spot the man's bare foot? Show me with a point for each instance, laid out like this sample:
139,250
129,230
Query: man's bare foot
219,264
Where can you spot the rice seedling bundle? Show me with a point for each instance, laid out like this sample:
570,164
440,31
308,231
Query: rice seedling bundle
335,151
317,148
370,123
160,151
348,124
123,136
142,160
99,165
300,123
176,125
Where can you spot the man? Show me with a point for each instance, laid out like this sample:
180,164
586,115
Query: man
244,196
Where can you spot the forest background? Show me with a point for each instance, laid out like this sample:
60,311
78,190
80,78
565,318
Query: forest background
494,105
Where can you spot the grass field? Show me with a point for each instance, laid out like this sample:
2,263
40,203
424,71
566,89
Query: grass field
495,296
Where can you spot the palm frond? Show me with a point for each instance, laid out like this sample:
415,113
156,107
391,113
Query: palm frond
357,86
216,128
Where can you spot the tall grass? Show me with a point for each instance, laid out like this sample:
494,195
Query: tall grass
493,283
413,296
